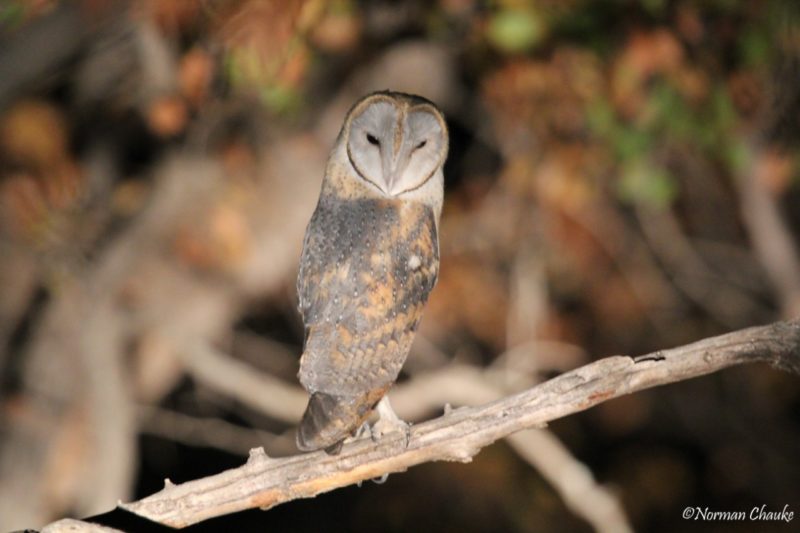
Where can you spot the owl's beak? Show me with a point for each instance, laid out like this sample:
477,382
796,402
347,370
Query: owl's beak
391,182
393,175
394,179
395,172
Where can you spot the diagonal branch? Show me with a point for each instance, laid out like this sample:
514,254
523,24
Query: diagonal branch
459,434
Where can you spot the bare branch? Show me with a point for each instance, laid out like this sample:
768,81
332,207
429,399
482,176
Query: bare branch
772,240
721,299
238,380
426,393
459,434
211,432
571,479
69,525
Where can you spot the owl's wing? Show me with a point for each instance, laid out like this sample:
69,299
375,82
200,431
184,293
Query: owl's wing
366,273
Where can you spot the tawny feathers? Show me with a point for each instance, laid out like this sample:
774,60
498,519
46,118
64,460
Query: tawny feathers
370,259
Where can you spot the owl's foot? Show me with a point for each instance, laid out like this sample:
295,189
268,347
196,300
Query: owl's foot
362,431
389,422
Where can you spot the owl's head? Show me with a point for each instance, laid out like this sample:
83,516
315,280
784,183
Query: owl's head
395,142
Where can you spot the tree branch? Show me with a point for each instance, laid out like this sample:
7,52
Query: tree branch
571,479
459,434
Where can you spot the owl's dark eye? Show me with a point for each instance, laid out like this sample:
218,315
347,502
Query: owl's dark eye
371,139
421,145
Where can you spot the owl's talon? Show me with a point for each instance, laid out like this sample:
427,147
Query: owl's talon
380,480
389,422
384,427
362,431
377,480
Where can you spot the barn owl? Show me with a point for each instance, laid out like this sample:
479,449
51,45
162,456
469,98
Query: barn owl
370,259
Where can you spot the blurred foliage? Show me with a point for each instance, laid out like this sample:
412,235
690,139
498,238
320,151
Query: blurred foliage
515,30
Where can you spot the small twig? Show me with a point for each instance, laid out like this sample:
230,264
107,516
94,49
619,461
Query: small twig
461,433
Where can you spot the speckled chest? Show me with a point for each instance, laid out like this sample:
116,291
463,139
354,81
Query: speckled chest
366,261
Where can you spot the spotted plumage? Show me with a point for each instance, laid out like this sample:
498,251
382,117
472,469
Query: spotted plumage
370,259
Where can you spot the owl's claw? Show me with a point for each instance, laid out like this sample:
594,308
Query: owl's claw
362,431
389,422
377,480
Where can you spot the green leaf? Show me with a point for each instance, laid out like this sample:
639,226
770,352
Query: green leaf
11,14
643,182
515,30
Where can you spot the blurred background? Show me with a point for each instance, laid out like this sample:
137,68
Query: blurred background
623,177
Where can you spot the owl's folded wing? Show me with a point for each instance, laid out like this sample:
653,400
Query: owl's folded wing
361,311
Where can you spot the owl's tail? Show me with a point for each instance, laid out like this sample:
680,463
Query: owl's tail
329,419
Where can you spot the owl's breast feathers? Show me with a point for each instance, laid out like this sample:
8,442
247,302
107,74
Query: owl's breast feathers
366,271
